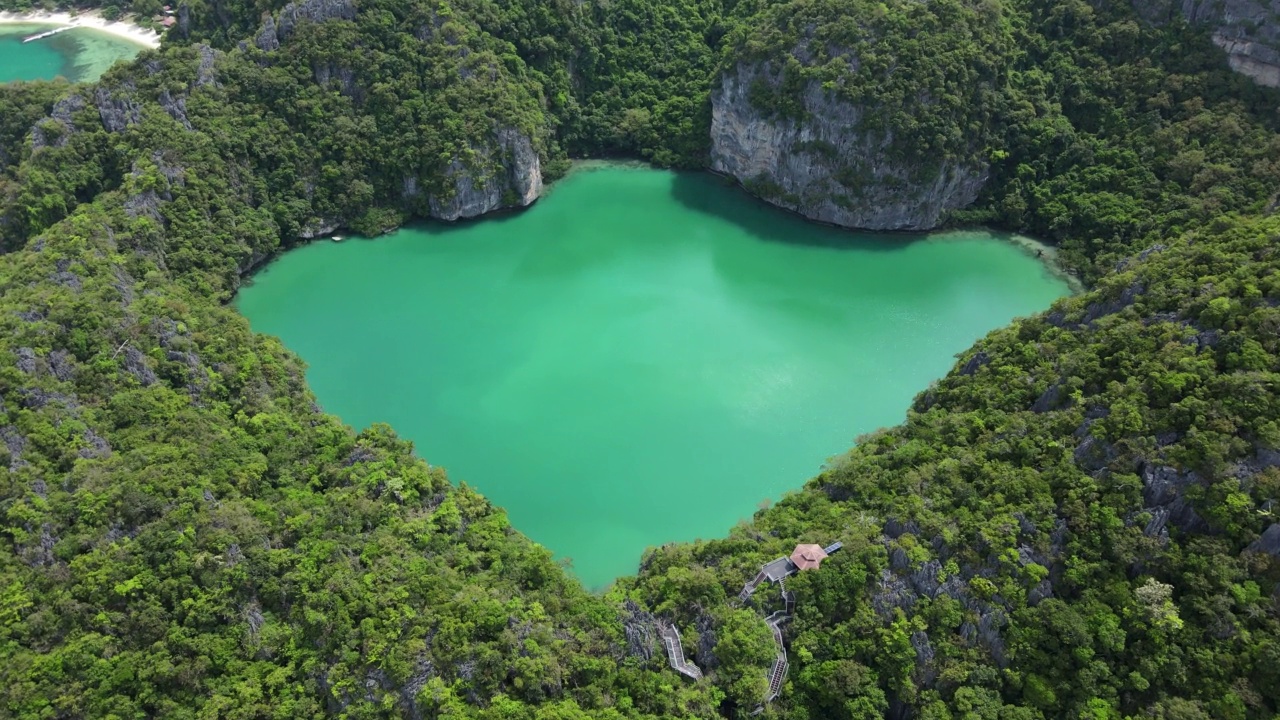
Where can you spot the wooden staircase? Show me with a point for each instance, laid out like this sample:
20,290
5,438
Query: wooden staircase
675,651
778,674
751,586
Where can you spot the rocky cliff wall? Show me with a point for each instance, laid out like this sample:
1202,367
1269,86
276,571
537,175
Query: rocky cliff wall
824,166
497,170
508,175
1248,30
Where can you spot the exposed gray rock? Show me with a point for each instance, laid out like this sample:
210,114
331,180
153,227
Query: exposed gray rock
267,39
318,227
1267,458
315,11
360,454
825,167
36,398
972,365
637,627
254,618
1041,592
924,657
15,443
26,360
989,635
898,559
344,77
925,580
183,27
1150,251
1093,454
204,72
1161,484
422,673
1207,339
894,528
707,638
1269,543
176,107
1248,30
67,279
117,107
95,445
61,365
1164,488
488,183
135,363
1155,526
144,204
61,114
891,592
1102,308
408,187
1048,400
40,554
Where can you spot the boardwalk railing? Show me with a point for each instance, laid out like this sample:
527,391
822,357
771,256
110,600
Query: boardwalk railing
751,586
776,677
779,672
675,651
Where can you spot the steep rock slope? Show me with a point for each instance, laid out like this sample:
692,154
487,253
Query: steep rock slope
490,169
871,120
824,166
1248,30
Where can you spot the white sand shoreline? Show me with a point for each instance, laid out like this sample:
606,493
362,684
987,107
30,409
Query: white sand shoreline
91,20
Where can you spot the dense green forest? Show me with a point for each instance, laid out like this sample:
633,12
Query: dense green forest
1079,521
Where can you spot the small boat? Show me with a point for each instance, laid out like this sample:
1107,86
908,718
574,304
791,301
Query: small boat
337,238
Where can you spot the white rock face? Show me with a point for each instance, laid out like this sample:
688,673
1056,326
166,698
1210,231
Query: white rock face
801,163
516,182
1248,30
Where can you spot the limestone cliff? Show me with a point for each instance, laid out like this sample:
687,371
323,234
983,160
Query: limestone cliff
272,33
1248,30
824,165
504,176
485,170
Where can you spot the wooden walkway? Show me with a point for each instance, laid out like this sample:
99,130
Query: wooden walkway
779,671
675,651
751,586
777,572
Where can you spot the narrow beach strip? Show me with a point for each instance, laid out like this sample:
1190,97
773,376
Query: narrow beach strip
92,20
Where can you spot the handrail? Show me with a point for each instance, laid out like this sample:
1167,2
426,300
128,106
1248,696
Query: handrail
675,651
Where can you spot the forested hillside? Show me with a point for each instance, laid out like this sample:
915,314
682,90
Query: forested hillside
1079,521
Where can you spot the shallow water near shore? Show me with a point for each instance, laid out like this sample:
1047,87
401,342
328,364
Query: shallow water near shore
79,54
643,356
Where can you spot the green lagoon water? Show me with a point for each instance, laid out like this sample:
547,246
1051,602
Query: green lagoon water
80,55
643,356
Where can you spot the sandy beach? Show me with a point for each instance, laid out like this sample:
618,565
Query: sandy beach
94,21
